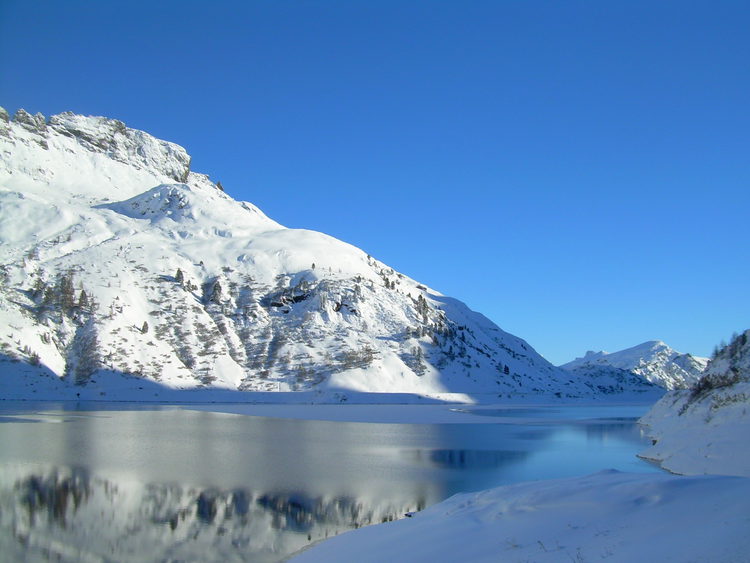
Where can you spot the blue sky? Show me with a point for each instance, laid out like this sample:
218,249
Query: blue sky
576,171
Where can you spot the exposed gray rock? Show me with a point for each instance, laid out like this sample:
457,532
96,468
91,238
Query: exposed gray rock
4,123
33,123
112,137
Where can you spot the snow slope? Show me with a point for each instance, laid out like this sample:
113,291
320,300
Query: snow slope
612,516
120,262
706,429
653,361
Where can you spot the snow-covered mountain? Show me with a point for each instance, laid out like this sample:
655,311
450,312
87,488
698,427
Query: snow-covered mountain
120,262
705,429
653,361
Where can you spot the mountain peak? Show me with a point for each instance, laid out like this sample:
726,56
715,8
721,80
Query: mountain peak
653,360
112,137
79,150
654,344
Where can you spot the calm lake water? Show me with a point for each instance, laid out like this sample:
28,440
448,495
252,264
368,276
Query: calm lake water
111,482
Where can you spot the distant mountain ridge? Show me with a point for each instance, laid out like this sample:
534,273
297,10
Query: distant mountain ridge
119,262
654,361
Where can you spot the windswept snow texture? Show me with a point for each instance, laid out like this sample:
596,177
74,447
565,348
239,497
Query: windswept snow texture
653,361
612,516
121,264
707,429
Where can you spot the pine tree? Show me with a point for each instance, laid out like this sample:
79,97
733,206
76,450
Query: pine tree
86,344
83,300
66,292
34,359
179,277
38,290
49,296
144,328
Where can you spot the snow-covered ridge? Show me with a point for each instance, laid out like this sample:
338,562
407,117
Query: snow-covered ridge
182,210
86,157
654,361
119,262
107,136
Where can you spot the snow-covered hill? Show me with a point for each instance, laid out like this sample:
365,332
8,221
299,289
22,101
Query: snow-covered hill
705,429
118,262
653,361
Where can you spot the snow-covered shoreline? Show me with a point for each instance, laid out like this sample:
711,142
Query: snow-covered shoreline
342,406
693,436
705,430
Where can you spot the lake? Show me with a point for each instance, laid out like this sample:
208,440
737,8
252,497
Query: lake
103,482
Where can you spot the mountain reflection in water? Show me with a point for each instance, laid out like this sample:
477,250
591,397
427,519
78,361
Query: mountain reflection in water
469,459
65,513
175,484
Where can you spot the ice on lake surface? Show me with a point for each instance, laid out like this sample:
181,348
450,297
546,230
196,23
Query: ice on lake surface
135,483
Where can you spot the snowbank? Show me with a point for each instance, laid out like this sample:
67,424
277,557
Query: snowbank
706,429
620,517
708,435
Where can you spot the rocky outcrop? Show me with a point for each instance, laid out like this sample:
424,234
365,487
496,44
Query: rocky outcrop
109,137
33,123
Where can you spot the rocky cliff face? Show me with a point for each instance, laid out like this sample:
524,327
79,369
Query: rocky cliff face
119,262
105,136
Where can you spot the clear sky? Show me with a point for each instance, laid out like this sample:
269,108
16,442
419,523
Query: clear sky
577,171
